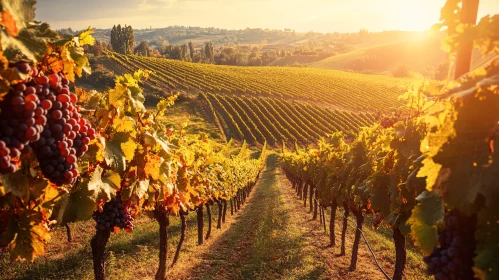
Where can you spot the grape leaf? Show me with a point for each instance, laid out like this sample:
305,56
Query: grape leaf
31,235
86,38
118,95
158,145
430,170
19,13
112,154
17,183
165,103
129,149
97,186
380,193
125,124
45,194
152,167
31,41
78,205
112,178
138,189
424,219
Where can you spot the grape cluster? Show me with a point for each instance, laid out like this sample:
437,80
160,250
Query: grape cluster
41,112
113,215
66,135
454,258
22,119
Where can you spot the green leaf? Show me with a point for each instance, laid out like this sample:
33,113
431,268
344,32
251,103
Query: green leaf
424,221
78,205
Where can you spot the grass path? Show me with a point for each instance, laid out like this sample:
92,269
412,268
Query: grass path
271,237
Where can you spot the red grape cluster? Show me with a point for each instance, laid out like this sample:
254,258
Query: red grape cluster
454,258
113,215
22,119
42,113
387,122
66,135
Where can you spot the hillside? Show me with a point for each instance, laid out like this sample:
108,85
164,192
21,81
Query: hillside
334,89
272,104
416,56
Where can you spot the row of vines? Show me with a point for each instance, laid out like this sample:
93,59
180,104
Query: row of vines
431,173
345,90
69,155
261,119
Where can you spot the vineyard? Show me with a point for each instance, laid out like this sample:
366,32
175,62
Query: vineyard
268,111
342,90
277,121
407,174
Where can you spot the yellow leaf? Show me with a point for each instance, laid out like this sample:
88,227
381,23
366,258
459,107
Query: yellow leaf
430,170
125,124
100,144
118,95
86,38
128,149
112,177
31,236
152,167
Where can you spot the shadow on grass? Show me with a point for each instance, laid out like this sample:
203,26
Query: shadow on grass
77,263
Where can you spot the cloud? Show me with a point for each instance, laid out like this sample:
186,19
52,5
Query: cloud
148,5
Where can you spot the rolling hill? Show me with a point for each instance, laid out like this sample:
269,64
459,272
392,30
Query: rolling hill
272,104
415,55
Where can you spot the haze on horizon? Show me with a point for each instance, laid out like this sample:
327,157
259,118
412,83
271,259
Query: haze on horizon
311,15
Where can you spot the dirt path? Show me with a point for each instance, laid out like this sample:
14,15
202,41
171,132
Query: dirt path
265,242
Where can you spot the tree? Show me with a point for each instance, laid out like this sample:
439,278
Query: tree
209,52
401,72
97,48
191,50
122,39
142,49
185,53
241,59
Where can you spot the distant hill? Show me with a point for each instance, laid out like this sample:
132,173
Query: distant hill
298,60
415,55
181,35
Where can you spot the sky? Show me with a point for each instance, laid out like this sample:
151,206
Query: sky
302,15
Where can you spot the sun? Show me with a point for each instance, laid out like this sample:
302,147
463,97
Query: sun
416,16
